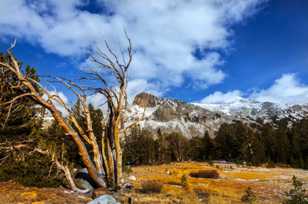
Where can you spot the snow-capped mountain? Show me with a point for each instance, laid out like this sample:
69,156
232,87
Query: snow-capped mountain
155,113
253,110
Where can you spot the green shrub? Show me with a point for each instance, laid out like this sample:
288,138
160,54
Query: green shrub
127,169
249,196
297,195
151,187
30,170
184,181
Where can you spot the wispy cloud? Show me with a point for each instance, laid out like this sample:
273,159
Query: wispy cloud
286,90
165,33
63,97
220,97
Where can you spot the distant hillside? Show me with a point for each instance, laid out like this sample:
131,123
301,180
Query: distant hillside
156,113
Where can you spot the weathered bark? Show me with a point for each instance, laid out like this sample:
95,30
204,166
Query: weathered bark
81,147
69,177
96,151
107,158
118,151
35,94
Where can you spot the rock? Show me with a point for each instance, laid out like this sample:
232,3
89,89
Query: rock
128,186
145,100
100,191
122,180
105,199
84,184
83,175
132,178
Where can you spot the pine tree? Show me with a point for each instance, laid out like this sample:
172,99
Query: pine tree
20,117
229,140
268,136
282,143
208,145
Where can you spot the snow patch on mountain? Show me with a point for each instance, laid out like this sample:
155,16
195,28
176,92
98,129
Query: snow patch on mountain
155,113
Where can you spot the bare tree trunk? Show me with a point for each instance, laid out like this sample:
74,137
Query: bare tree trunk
96,151
69,177
118,151
81,148
108,159
110,164
105,156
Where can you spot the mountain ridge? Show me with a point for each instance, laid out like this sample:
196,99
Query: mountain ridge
194,119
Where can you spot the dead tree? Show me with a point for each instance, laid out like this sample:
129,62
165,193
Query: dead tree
105,165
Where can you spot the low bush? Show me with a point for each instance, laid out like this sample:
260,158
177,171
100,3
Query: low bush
296,195
185,183
184,180
32,170
203,196
151,187
127,169
205,174
249,196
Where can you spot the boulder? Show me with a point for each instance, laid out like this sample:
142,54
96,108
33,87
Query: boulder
84,184
127,186
132,178
105,199
82,174
100,191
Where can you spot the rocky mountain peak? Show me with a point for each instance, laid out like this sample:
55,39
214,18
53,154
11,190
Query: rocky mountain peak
146,100
169,115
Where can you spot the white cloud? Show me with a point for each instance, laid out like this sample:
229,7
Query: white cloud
165,33
220,97
58,105
285,90
134,87
139,85
97,100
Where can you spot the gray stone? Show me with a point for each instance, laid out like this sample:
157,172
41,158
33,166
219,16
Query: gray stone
105,199
127,186
132,178
84,184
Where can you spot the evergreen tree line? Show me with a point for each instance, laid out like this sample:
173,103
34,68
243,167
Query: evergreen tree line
22,134
20,128
237,142
29,167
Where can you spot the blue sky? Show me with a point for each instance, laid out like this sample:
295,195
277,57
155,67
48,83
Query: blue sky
206,51
271,43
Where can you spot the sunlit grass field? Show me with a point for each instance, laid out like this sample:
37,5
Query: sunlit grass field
268,184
